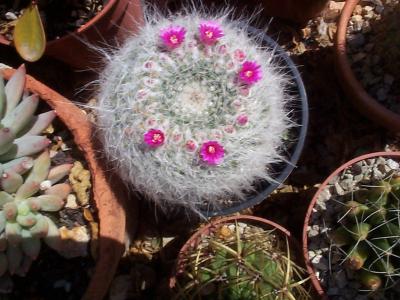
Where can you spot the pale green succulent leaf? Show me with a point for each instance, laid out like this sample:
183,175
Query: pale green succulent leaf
20,116
25,146
52,239
41,167
11,181
14,89
14,256
41,122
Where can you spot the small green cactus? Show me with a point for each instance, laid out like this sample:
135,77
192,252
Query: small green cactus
369,234
241,262
28,189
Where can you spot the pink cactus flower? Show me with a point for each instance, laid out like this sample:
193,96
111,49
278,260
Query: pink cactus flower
229,129
212,152
172,37
239,55
242,119
250,72
154,138
190,145
210,32
222,49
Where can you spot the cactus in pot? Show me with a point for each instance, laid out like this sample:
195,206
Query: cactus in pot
369,232
240,260
192,109
28,189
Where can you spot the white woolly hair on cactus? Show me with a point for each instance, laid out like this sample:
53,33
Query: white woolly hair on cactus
192,110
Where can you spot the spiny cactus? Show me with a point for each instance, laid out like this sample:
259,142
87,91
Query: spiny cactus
369,234
243,262
23,174
192,110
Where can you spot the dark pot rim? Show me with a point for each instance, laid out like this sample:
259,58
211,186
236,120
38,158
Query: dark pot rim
309,265
295,150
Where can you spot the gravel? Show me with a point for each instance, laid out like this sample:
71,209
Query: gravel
327,259
368,53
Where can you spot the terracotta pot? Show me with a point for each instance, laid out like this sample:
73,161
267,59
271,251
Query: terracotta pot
111,26
297,11
322,187
206,230
107,192
366,104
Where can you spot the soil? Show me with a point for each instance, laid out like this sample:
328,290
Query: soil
52,276
58,17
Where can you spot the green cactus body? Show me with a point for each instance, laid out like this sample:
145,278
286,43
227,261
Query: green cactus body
369,232
25,164
249,263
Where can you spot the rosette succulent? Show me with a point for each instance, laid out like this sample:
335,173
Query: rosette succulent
25,170
192,110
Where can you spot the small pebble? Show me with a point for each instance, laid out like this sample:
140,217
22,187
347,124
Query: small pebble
10,16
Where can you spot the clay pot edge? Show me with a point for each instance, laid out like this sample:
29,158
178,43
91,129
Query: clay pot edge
367,105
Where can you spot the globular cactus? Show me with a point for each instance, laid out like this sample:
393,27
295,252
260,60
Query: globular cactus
243,262
369,234
25,171
192,110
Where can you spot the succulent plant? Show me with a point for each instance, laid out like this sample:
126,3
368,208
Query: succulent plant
192,110
241,261
25,170
369,234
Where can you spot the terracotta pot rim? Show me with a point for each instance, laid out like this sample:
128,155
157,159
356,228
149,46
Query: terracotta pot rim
309,265
110,4
353,87
220,221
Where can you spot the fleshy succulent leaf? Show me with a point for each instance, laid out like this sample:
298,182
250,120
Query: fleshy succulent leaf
26,221
2,221
30,244
14,88
25,266
61,190
34,204
50,202
13,233
24,164
21,115
26,190
10,211
5,198
11,181
25,146
6,139
41,227
14,255
2,97
41,167
52,238
41,122
59,172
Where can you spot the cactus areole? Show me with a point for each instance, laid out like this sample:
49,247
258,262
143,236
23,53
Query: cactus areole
194,111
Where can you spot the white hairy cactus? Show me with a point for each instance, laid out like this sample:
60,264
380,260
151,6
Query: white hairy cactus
192,110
